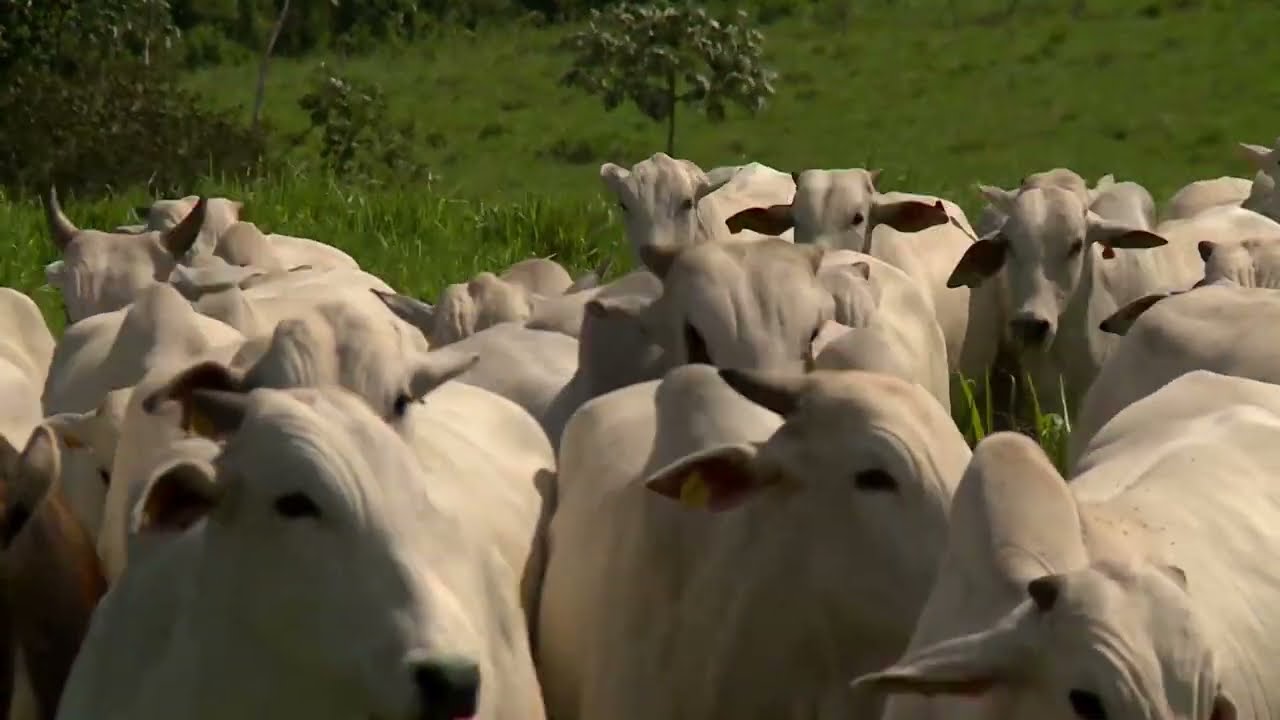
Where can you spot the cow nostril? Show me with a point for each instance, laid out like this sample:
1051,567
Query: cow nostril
1030,329
448,687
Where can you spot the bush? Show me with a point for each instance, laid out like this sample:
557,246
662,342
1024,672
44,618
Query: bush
206,45
356,137
122,123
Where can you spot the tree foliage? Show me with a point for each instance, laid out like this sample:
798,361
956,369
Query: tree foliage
88,100
357,140
68,34
659,56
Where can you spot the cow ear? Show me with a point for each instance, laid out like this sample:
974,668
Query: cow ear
1120,321
772,220
707,186
1206,248
776,392
177,497
1116,235
997,197
28,477
969,665
412,310
613,176
908,216
204,376
982,260
714,479
437,368
74,429
1223,708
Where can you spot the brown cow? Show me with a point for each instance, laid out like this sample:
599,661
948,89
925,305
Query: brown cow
50,579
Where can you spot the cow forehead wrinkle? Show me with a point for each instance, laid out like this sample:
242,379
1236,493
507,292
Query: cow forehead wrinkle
337,454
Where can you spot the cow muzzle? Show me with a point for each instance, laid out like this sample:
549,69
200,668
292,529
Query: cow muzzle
1030,331
448,687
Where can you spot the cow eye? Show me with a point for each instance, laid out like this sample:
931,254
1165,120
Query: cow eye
857,219
875,480
1087,705
1075,248
296,505
104,476
622,205
687,204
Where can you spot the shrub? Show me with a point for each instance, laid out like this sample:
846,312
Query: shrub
356,137
123,123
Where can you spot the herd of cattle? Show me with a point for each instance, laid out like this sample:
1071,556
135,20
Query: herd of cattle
252,481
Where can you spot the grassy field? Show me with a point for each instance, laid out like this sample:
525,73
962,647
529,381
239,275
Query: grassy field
1136,87
1157,91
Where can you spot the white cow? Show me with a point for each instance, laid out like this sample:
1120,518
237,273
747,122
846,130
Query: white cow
670,202
100,272
1125,202
290,251
1213,327
519,295
883,323
540,276
921,235
107,352
1264,195
468,432
752,304
1200,195
831,499
1142,588
1061,268
26,349
315,569
1252,261
528,367
258,309
992,217
759,304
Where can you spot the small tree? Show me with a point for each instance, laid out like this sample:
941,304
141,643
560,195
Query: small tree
661,55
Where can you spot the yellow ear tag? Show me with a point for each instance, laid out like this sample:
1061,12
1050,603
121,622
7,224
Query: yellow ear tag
201,426
695,492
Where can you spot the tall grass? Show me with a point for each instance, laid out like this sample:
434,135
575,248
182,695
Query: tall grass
416,241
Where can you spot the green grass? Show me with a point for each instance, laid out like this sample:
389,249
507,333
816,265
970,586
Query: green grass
1137,87
416,242
1156,91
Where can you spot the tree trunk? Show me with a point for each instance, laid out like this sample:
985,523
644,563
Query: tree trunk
259,96
671,114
